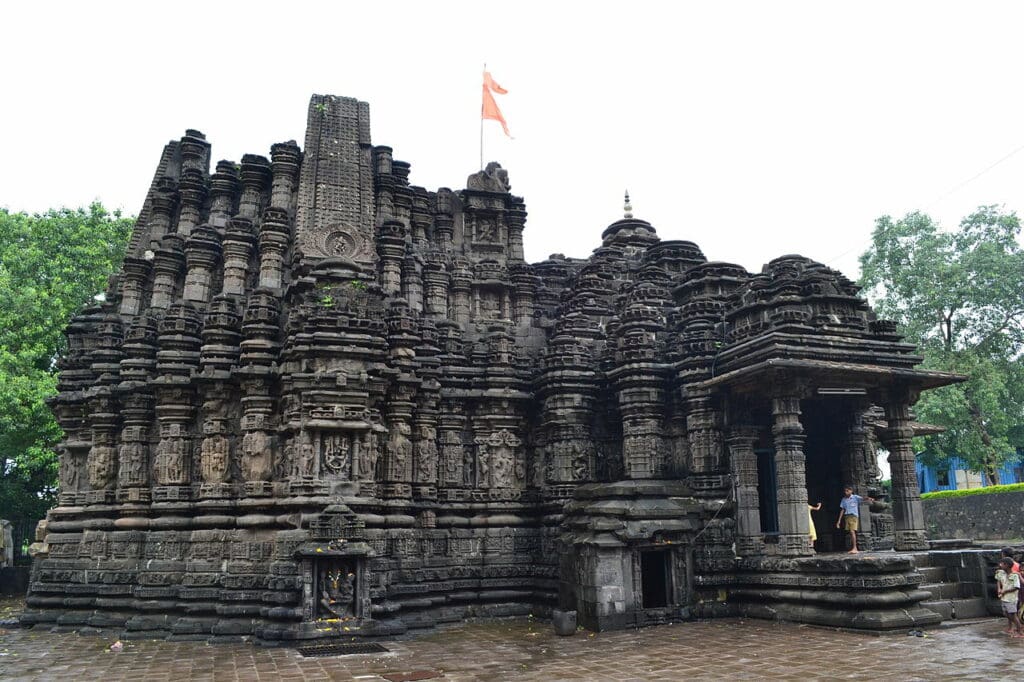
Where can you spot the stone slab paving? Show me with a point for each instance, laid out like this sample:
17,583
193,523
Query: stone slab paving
523,649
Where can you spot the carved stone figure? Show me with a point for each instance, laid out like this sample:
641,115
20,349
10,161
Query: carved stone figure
132,464
337,452
214,459
257,456
426,454
304,457
170,462
337,590
493,178
68,470
102,462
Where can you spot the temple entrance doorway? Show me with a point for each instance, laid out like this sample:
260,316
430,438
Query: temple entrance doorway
825,425
655,578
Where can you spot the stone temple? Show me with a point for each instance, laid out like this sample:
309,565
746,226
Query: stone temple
320,401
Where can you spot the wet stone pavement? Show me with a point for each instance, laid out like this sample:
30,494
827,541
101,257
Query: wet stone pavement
523,649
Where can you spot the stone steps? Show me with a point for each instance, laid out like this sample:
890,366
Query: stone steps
951,576
932,574
958,609
943,590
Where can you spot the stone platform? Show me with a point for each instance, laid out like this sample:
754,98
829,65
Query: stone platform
869,591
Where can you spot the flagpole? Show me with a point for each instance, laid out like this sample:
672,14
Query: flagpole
482,124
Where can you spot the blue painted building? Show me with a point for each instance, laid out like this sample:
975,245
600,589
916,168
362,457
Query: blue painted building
956,476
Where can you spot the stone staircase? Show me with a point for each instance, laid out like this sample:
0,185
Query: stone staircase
959,581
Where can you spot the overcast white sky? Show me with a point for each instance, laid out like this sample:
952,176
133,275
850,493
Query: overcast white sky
755,129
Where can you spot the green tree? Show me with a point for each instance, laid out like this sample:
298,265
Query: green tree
51,264
958,295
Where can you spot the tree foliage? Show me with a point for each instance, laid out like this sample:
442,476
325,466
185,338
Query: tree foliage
959,295
51,264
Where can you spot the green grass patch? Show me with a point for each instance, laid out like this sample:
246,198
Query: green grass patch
988,490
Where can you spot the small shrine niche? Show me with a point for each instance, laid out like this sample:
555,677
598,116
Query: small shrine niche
334,566
335,589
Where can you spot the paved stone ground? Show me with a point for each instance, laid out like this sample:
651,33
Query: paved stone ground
522,649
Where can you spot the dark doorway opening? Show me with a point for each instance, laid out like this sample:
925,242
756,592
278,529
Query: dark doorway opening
826,422
767,490
655,578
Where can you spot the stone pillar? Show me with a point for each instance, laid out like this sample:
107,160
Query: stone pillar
444,231
384,182
168,264
133,454
908,515
215,446
426,450
192,189
202,253
165,199
421,221
402,394
516,223
567,388
412,283
704,438
391,248
223,192
137,368
458,304
284,167
451,478
177,359
639,382
273,242
259,349
255,177
195,151
853,445
748,503
435,282
239,244
788,432
398,449
102,460
525,285
136,273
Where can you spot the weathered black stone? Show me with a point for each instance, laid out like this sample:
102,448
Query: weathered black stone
319,400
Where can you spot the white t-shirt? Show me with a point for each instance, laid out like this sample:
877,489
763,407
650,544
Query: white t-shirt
1008,581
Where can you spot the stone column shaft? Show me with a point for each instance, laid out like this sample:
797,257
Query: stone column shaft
908,514
788,432
748,501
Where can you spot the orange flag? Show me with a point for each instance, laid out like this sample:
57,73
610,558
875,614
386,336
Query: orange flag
489,109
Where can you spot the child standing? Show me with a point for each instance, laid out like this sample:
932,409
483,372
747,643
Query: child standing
1007,589
810,522
849,507
1007,553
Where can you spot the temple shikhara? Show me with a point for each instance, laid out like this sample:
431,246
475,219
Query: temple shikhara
318,400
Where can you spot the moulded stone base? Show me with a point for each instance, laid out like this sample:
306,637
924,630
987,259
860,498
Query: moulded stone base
869,592
133,495
258,488
100,497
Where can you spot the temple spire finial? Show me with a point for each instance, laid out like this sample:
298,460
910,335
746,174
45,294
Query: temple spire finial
627,210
